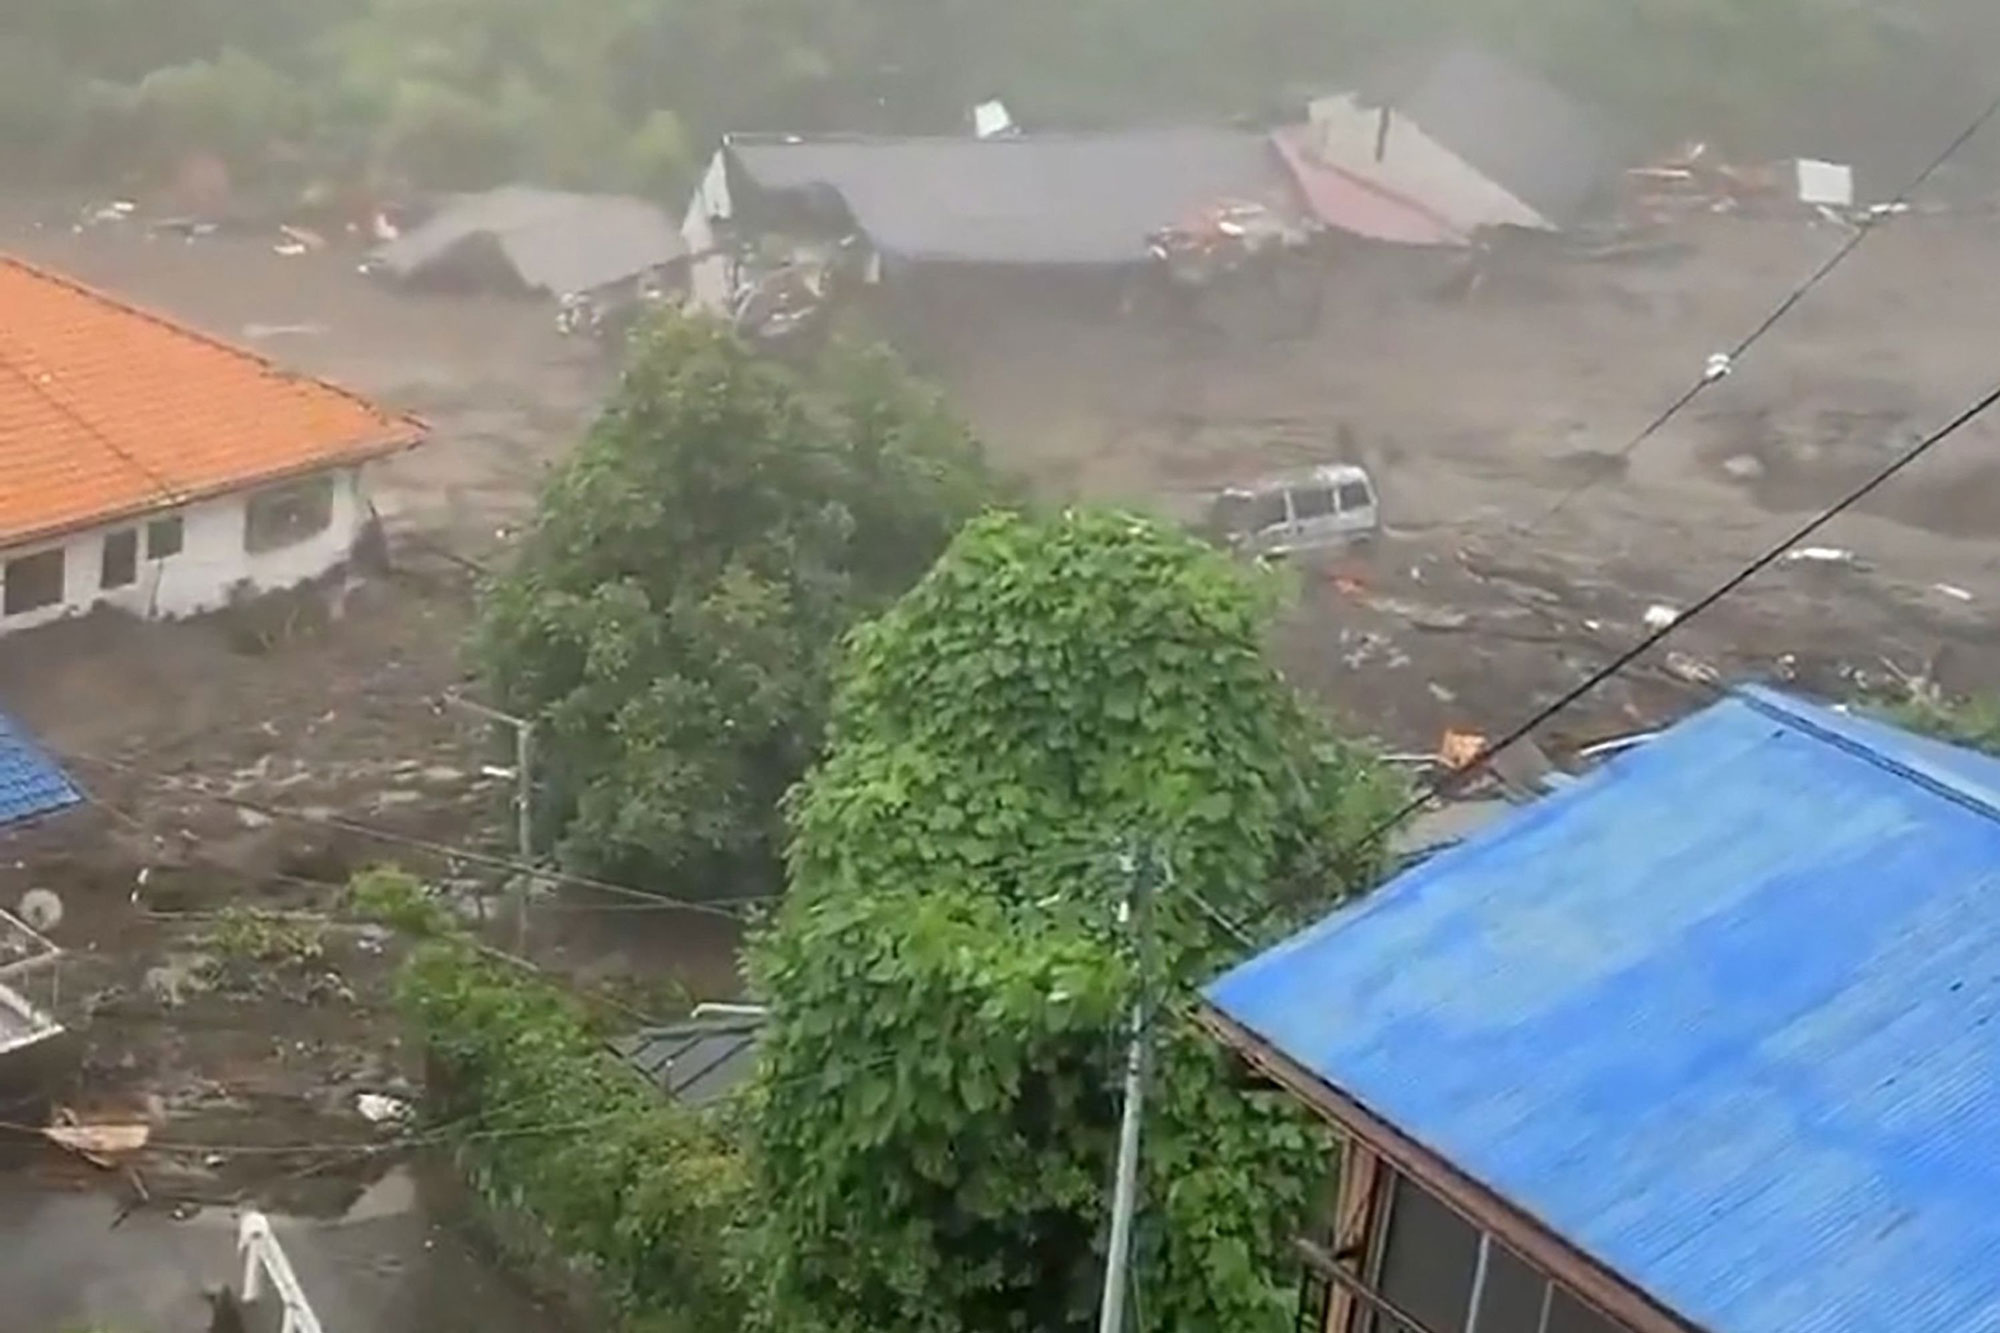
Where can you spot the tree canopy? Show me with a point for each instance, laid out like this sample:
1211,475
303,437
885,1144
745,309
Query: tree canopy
672,615
1060,706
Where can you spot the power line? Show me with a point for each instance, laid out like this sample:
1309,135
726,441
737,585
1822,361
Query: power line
1244,934
655,901
1719,367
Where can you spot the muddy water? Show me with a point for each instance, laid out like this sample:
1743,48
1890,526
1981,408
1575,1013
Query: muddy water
389,1265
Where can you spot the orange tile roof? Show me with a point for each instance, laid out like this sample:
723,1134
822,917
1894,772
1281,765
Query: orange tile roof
107,411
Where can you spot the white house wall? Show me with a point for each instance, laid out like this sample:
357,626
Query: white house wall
1346,134
212,567
711,271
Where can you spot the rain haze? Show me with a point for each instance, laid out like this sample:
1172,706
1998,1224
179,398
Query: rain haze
303,303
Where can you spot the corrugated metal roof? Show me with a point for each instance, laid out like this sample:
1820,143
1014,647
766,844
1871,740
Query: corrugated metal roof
1725,1015
30,783
694,1062
1034,199
1341,199
556,242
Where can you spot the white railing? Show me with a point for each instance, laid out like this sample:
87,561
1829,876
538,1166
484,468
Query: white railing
264,1260
30,984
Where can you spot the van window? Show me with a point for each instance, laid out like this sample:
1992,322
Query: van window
1355,495
1312,502
1239,513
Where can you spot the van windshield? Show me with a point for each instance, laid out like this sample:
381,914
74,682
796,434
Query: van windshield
1238,513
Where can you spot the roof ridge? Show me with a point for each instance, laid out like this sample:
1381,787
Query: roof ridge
782,139
189,331
1779,707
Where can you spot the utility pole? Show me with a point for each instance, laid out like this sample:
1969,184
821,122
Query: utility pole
1135,914
524,795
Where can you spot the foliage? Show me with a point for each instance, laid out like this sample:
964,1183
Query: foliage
630,92
1971,722
399,900
947,979
644,1195
672,614
247,935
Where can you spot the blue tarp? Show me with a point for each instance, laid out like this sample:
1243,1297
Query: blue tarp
30,783
1724,1015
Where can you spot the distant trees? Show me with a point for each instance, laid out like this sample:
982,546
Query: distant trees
629,92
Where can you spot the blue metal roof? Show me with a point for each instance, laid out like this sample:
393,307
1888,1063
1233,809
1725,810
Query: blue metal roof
30,783
1724,1015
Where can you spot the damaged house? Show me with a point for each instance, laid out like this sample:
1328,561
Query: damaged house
152,469
1069,209
602,256
1471,141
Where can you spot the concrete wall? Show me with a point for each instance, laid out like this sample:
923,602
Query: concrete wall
210,567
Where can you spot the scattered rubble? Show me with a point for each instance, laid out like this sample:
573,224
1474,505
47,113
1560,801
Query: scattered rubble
98,1144
378,1109
1824,555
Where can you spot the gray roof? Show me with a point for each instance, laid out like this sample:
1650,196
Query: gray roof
1050,199
695,1062
555,242
1519,130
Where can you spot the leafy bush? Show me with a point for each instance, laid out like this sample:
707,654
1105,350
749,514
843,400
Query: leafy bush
674,611
940,1073
645,1196
1971,722
247,935
399,900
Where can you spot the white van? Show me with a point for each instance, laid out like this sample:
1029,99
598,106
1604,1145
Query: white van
1329,507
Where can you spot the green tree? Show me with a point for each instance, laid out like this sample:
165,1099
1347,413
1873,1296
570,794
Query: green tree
672,615
947,977
641,1196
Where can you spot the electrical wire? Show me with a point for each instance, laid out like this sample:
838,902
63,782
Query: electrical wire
487,860
1245,933
637,899
1720,367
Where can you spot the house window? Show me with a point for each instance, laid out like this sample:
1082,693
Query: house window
120,565
1567,1314
287,515
1429,1258
164,537
32,582
1448,1276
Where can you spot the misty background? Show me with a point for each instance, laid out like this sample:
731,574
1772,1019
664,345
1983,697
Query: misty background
631,93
